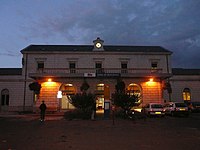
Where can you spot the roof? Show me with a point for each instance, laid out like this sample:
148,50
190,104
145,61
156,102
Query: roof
89,48
181,71
10,71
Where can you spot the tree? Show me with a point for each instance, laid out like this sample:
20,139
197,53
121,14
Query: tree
122,99
120,86
125,101
84,87
83,101
35,86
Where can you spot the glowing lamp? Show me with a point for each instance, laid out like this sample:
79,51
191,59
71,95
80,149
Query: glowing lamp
151,80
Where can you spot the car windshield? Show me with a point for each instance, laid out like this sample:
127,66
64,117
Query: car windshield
156,106
180,105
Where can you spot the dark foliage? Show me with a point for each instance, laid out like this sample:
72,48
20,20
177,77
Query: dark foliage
84,87
35,86
120,86
125,101
83,102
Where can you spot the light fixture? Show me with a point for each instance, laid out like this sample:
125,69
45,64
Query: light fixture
151,80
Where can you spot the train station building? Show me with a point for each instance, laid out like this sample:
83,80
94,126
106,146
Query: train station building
60,70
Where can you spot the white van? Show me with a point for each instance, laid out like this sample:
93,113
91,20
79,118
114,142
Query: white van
176,108
153,109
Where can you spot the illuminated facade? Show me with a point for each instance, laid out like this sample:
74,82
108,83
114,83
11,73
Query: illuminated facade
62,69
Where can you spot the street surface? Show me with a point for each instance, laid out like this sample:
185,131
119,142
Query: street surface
56,133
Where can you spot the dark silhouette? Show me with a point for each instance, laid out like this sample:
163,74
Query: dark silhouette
42,111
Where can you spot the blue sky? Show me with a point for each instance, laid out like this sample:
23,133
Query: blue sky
172,24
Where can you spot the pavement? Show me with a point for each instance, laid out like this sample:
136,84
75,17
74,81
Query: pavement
26,132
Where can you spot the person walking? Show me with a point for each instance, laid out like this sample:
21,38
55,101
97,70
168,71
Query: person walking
43,108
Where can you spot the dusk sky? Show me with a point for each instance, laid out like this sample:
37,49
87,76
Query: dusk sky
172,24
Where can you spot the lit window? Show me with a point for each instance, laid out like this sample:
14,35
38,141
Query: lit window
100,87
186,94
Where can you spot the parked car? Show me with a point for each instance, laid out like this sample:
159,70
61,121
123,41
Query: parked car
194,106
154,109
176,108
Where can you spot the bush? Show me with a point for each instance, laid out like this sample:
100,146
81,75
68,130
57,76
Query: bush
125,101
84,103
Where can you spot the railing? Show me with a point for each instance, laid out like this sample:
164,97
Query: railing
93,72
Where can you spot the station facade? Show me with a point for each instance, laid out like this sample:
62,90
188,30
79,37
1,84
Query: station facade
62,69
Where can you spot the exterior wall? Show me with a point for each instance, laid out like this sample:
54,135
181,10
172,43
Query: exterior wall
21,98
188,81
14,84
152,92
87,60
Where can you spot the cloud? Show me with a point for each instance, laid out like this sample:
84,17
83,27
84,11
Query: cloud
173,24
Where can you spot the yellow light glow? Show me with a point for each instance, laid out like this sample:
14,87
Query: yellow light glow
49,84
151,80
69,84
138,109
49,80
101,84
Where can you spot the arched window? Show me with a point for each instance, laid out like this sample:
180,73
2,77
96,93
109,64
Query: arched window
135,89
186,94
5,97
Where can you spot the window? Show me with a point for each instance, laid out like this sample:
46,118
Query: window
72,67
40,65
154,65
123,67
100,87
5,97
186,94
98,67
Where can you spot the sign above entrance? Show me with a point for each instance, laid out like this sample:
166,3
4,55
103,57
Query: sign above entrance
108,74
89,74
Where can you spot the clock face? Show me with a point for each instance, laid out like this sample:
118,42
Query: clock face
98,45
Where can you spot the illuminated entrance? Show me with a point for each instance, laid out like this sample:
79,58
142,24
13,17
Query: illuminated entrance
135,89
102,94
67,91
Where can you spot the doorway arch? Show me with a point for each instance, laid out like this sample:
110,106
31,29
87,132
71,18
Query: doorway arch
67,91
135,89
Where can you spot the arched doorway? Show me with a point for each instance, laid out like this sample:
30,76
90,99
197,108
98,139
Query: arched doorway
67,91
135,89
4,100
102,94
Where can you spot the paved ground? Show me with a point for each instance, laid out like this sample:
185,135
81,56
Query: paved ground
26,132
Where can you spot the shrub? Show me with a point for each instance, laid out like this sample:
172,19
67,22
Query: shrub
83,102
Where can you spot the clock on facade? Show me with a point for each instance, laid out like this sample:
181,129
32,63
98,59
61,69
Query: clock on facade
98,45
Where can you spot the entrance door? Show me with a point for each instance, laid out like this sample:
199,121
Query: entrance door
102,94
4,100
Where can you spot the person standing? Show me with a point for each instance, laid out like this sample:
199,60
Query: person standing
43,108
